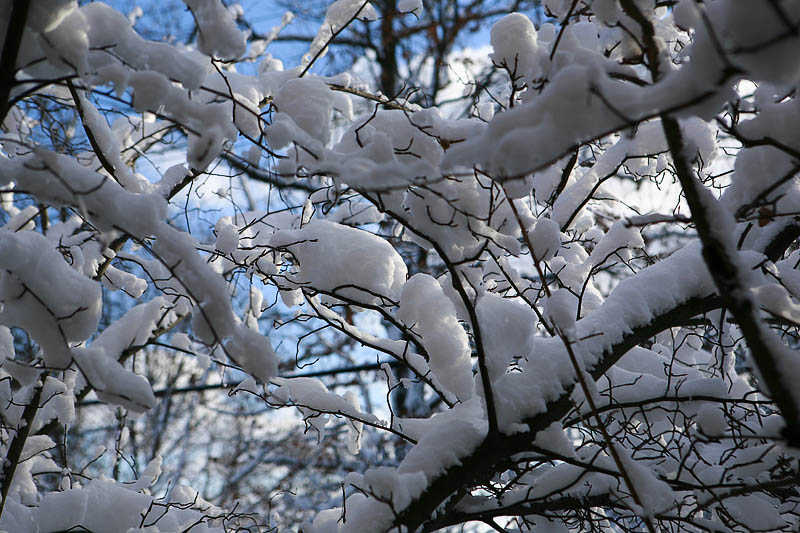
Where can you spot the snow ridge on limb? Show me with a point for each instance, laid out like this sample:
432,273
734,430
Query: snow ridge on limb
715,224
599,353
487,458
625,333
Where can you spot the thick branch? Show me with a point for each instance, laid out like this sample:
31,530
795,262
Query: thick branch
490,456
8,60
721,259
733,292
18,442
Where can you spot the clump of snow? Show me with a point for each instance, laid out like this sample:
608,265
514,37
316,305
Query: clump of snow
558,8
148,477
507,330
204,148
227,236
466,420
111,29
354,427
712,421
6,344
545,238
116,279
123,510
561,309
343,261
62,406
756,512
654,494
553,438
217,34
380,135
99,362
317,404
619,240
189,274
253,352
62,180
513,39
45,17
430,314
44,296
308,102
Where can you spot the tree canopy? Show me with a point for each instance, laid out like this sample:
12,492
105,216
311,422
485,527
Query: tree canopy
546,285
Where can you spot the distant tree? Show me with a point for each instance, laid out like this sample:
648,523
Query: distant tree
189,245
411,44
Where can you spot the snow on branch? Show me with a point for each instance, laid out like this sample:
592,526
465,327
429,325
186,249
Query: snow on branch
554,287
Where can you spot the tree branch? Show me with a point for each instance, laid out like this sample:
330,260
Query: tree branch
8,60
731,286
482,464
11,460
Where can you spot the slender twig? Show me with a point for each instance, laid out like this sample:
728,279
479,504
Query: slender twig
101,156
333,36
219,386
